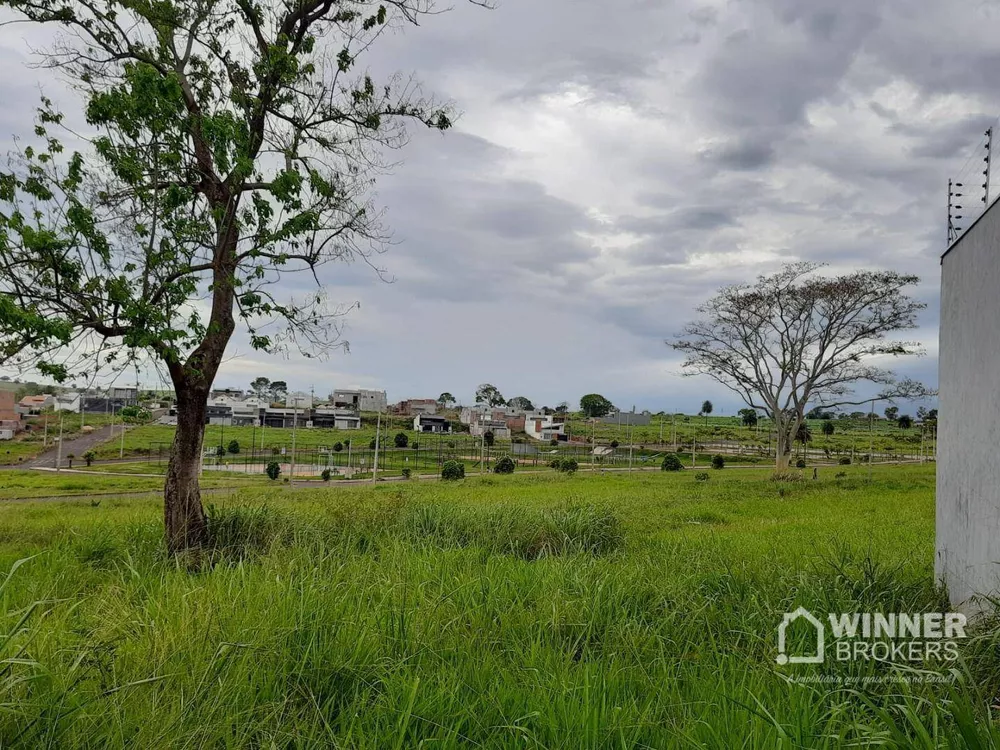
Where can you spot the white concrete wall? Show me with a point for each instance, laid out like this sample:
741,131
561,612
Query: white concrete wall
968,470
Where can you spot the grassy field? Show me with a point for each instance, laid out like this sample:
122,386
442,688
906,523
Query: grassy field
16,484
501,612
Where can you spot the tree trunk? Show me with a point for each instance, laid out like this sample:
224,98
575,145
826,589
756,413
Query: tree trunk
782,448
183,514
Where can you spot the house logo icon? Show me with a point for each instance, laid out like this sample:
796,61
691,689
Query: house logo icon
788,619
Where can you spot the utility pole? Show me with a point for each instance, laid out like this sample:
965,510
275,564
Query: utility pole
295,420
45,433
121,448
593,444
378,434
59,450
871,440
631,441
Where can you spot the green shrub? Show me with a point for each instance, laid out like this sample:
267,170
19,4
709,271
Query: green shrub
504,466
718,462
489,438
407,473
568,465
338,447
233,447
671,463
325,475
800,464
614,443
415,445
220,451
371,444
273,470
554,441
845,461
701,476
89,457
401,440
453,471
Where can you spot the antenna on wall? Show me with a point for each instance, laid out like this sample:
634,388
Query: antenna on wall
986,172
952,229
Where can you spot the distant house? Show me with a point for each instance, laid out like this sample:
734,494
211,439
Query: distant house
68,402
36,404
414,406
234,393
287,417
359,399
340,419
246,413
501,421
430,423
10,419
498,427
300,399
544,426
219,414
468,414
514,422
129,396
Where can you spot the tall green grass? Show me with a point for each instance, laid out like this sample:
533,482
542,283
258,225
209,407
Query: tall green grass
508,612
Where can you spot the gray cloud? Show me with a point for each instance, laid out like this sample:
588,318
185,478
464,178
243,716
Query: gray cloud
612,169
741,155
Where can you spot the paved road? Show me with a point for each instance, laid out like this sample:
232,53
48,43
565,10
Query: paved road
77,446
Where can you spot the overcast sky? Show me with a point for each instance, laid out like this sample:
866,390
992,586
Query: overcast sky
616,162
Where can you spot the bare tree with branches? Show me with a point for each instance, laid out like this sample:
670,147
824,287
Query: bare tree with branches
796,338
231,142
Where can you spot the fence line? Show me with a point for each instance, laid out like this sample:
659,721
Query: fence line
431,451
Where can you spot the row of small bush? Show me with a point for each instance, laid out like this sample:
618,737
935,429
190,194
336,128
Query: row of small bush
672,462
565,465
